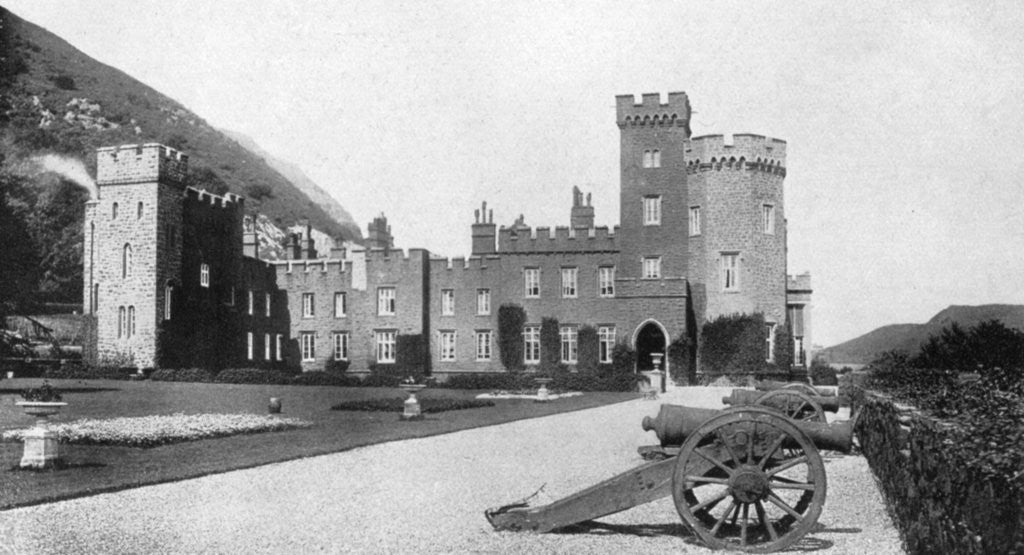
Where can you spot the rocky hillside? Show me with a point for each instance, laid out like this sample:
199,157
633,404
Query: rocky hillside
909,337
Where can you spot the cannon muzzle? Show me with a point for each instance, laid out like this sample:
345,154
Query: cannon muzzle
741,397
769,385
675,423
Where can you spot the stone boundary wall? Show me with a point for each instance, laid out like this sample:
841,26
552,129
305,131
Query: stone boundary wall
939,503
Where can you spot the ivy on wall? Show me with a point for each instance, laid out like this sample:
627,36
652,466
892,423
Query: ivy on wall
511,319
733,344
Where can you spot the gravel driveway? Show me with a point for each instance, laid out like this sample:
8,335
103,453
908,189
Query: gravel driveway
425,496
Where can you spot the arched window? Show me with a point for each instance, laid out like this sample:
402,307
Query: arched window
113,211
120,322
656,159
139,213
131,321
126,261
95,298
168,299
648,160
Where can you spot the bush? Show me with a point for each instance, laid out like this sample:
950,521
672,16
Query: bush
497,381
733,344
822,374
426,405
679,360
984,347
181,375
390,375
78,372
783,349
64,82
588,355
550,346
252,376
337,366
511,319
623,360
326,378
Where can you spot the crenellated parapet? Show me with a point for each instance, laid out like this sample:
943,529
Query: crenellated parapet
799,282
139,164
204,197
650,112
747,152
558,239
440,265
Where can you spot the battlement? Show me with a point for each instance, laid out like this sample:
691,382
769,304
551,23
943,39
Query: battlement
139,164
202,196
651,112
463,264
799,283
747,152
558,239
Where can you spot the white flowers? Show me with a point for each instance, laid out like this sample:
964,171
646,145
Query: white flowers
150,431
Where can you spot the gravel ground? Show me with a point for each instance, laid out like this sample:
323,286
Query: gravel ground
426,496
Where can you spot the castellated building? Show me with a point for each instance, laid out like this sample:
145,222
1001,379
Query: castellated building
173,277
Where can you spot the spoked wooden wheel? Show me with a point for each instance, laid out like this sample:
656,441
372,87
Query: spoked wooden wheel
749,480
802,387
794,404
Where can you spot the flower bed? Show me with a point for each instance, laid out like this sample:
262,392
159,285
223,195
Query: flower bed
152,431
398,405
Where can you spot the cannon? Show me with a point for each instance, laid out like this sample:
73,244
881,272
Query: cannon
795,403
746,478
769,385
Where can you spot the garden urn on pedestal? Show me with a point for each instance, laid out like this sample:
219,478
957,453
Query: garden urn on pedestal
658,374
42,447
412,410
543,393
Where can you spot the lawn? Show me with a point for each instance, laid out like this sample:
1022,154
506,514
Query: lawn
94,469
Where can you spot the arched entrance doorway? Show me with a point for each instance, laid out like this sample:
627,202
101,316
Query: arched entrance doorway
650,338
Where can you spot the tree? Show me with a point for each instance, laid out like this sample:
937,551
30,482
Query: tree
19,255
511,319
588,355
550,345
733,344
783,348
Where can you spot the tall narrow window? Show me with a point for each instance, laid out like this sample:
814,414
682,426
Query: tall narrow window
277,347
249,345
656,159
386,301
605,343
266,305
447,346
340,305
204,275
308,346
447,302
483,302
113,211
168,300
138,212
768,219
730,264
126,261
385,346
252,301
569,276
341,346
308,305
531,283
95,298
606,281
652,267
569,336
694,220
652,210
483,345
769,342
131,321
531,344
121,315
266,346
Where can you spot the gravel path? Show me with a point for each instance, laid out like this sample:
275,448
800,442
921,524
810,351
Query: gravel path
425,496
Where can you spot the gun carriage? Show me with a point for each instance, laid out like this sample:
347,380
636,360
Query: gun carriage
748,478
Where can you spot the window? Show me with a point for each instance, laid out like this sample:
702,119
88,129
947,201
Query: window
131,321
266,346
483,302
95,298
138,214
483,345
308,346
168,296
126,261
447,302
231,296
121,317
249,345
569,344
204,275
730,263
266,302
340,305
769,342
447,346
605,343
252,301
569,282
652,159
277,347
531,283
694,220
308,305
113,211
341,345
606,281
531,344
386,301
768,219
652,210
385,346
652,267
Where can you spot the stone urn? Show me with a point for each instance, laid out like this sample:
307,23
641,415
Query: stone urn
658,373
543,395
412,411
42,446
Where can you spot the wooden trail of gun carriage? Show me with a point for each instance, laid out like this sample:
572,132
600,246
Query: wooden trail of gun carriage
748,478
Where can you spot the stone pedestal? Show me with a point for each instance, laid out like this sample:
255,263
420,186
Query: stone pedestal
411,410
543,395
42,449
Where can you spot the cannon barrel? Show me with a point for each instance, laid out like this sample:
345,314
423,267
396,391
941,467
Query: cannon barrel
769,385
675,423
741,397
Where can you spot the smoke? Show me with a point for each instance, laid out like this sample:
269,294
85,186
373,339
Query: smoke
70,168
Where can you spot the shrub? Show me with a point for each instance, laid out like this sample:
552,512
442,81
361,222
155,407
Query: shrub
64,82
252,376
259,191
984,347
783,348
390,375
733,344
679,360
496,381
336,366
78,372
550,346
822,374
623,360
426,405
325,378
411,353
511,319
588,355
181,375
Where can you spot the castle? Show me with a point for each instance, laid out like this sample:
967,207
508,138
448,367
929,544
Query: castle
173,277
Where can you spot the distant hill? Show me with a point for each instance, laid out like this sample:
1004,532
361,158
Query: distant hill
56,99
909,337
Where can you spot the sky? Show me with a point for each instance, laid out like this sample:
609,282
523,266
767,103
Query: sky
904,121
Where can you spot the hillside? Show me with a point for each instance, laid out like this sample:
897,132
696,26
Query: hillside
909,337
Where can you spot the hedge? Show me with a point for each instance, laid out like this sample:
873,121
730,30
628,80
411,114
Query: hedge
79,372
181,375
326,378
427,405
252,376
